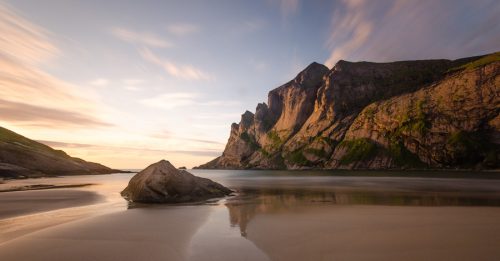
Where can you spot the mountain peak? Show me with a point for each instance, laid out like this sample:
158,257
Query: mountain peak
374,115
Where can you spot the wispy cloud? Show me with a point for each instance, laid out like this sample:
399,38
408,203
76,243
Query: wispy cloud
131,81
218,115
171,100
288,7
132,88
180,99
33,115
22,40
99,82
259,66
51,100
412,29
205,141
68,145
182,29
187,72
132,84
352,27
221,127
168,135
254,25
142,38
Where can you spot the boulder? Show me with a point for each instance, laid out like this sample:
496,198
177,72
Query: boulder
161,182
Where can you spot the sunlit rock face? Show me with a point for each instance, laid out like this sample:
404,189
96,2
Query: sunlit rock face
363,115
161,182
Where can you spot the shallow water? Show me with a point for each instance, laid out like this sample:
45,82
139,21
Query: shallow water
290,215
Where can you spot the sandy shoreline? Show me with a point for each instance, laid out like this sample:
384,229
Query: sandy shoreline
135,234
316,232
289,218
20,203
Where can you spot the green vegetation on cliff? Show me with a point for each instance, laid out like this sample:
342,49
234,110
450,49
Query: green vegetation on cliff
320,153
403,157
249,140
357,150
494,57
297,157
471,148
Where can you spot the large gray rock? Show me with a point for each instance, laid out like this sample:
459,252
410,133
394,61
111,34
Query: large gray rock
161,182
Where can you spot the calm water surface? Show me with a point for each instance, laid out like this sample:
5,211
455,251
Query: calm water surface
303,208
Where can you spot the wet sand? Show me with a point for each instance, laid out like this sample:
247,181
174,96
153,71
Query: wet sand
158,233
300,233
20,203
271,218
42,187
379,233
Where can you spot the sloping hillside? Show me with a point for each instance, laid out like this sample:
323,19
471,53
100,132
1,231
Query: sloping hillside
22,157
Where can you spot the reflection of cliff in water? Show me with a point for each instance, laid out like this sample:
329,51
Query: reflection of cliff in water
252,202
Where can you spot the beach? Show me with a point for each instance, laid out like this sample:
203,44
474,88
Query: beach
20,203
268,218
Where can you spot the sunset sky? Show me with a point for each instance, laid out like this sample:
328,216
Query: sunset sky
126,83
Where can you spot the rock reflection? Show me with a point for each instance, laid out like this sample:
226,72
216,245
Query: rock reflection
251,202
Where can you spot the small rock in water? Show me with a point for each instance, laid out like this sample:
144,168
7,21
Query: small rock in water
161,182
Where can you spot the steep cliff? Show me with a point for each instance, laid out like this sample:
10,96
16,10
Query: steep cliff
22,157
363,115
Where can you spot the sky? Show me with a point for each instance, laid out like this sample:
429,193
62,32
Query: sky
127,83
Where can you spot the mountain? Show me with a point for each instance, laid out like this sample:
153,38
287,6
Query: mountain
22,157
364,115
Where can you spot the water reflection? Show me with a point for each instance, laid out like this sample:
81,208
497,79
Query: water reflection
251,202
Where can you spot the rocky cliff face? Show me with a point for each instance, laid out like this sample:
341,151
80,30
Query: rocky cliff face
22,157
410,114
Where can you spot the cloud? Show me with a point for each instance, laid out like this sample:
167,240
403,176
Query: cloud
59,144
99,82
259,66
413,29
218,116
168,135
131,84
288,7
254,25
22,46
210,126
187,72
204,141
133,81
70,145
210,153
22,40
182,29
352,27
132,88
141,38
171,100
181,99
33,115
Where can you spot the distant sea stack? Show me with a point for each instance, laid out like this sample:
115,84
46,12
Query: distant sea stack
21,157
161,182
363,115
